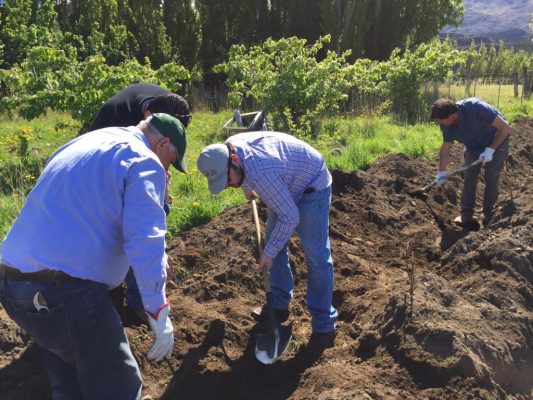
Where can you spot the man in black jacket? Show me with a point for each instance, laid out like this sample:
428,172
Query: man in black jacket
136,102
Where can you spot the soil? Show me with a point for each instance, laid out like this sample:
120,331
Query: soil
426,310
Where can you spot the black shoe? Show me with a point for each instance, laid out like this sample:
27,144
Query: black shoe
486,221
262,315
321,340
469,225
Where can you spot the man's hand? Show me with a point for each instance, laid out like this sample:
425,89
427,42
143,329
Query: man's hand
486,156
265,262
250,194
163,334
441,177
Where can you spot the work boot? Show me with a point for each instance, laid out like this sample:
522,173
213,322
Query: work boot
322,340
469,225
262,315
486,221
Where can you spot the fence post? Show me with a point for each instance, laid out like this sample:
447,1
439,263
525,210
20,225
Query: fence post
468,75
525,88
475,86
515,83
499,91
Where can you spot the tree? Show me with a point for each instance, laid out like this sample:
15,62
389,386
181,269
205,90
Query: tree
183,28
285,77
24,25
144,19
373,29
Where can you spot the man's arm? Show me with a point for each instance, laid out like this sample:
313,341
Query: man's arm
502,131
444,155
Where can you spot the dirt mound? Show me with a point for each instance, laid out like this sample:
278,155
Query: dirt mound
426,310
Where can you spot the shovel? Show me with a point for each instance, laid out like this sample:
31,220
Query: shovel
454,172
269,346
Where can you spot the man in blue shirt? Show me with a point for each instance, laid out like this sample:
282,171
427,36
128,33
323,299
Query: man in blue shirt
292,179
96,210
485,135
128,107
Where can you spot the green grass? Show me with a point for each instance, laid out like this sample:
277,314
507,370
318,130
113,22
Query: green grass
347,143
502,97
355,143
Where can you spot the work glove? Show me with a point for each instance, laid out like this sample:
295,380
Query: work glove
163,334
486,156
441,177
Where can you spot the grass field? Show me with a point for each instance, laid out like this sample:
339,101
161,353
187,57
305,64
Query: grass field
347,143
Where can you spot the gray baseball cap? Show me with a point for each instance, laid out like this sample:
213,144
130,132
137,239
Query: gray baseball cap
213,163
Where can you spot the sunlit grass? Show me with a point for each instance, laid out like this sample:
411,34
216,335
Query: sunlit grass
347,143
357,142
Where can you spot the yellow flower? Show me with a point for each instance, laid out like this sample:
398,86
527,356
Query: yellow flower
195,204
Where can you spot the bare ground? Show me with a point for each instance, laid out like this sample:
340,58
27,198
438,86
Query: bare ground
462,328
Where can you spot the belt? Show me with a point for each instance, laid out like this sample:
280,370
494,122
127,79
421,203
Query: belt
46,275
309,190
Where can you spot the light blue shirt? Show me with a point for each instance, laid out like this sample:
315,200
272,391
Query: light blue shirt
279,168
96,209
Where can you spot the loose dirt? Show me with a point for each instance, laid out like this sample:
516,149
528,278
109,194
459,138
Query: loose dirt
426,310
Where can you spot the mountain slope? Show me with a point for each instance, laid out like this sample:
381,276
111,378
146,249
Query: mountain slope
495,20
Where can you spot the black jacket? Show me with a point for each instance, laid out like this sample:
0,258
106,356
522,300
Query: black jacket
124,108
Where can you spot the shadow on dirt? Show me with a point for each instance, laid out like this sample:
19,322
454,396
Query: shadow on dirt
246,378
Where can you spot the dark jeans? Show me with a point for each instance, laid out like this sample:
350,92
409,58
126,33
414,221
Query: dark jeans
85,350
492,182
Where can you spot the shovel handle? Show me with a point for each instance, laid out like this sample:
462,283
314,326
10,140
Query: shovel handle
259,243
454,172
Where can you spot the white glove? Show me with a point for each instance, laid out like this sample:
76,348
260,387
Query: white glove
441,177
163,334
486,156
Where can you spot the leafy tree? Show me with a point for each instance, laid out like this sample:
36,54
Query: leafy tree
372,29
50,78
144,19
397,80
285,77
183,28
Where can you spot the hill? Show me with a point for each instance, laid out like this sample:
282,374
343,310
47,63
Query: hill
494,20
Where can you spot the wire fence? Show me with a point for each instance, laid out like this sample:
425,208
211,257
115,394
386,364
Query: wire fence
494,89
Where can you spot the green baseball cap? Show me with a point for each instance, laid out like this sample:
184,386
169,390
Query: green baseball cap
173,129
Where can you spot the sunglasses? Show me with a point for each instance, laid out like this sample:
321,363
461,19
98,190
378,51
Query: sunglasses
184,119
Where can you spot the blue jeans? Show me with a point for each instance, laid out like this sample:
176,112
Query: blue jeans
313,231
85,350
131,292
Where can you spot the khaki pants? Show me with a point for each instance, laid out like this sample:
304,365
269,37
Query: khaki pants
492,182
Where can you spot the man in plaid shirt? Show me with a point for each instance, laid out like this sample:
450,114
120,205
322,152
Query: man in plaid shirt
293,181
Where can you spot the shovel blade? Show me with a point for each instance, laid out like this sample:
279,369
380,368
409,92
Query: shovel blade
270,346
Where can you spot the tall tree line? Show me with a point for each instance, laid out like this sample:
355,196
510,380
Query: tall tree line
199,33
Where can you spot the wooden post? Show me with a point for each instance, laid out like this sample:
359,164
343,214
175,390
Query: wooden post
499,91
526,90
468,75
515,83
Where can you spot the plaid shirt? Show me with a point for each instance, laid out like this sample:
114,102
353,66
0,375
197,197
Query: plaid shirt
279,168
